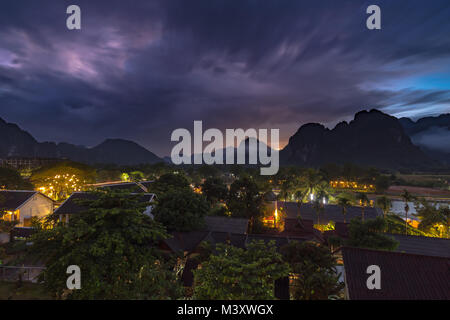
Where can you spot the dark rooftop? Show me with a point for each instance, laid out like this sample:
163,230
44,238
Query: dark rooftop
188,241
429,246
226,224
331,212
130,186
71,205
11,200
185,241
403,276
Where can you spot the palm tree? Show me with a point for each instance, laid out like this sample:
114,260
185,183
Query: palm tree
311,179
321,196
344,203
285,190
385,204
407,197
299,195
318,207
362,197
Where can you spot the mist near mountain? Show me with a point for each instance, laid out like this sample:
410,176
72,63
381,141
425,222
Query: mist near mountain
429,132
436,138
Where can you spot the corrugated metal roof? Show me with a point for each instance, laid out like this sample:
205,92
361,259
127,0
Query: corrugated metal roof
429,246
331,212
403,276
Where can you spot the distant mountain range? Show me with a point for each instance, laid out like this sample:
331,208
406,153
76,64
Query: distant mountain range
246,144
372,138
15,142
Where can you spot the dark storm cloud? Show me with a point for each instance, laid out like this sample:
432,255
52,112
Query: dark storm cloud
140,69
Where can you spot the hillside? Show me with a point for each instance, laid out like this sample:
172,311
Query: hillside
16,142
372,138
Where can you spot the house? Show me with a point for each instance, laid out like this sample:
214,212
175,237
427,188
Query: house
422,245
222,230
403,276
72,204
22,205
306,215
189,244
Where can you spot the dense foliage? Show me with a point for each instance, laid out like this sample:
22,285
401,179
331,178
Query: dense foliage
244,199
232,273
313,269
59,181
12,180
214,189
181,210
115,246
433,219
168,182
395,224
369,234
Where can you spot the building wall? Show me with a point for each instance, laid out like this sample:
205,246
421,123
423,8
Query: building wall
38,206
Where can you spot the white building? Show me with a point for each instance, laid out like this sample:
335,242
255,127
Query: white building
21,206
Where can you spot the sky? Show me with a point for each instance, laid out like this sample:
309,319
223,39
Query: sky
140,69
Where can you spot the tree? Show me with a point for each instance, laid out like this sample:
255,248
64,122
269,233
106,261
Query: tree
318,208
369,234
208,171
299,195
311,178
59,181
285,190
385,204
156,170
181,210
232,273
137,176
115,246
170,181
313,267
105,175
244,199
344,202
407,197
364,201
433,219
395,224
382,183
12,180
215,190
